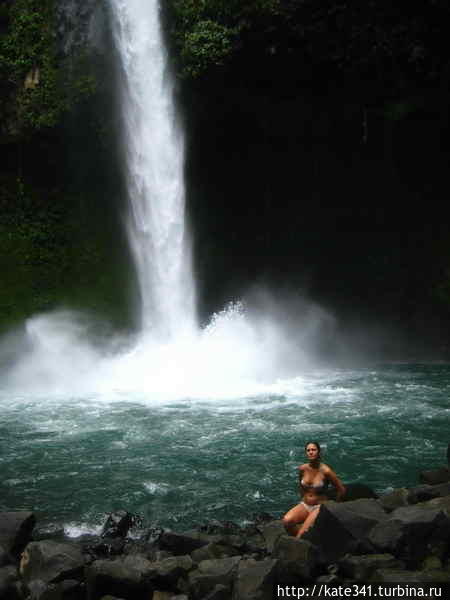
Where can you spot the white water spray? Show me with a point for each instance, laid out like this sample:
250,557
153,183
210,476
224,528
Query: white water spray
154,163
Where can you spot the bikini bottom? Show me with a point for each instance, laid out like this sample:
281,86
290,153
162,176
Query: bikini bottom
310,507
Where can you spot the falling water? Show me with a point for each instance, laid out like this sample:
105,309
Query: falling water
154,161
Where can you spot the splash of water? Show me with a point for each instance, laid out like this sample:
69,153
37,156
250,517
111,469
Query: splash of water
239,354
154,162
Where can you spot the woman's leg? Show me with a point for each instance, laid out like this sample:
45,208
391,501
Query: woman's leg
293,517
308,522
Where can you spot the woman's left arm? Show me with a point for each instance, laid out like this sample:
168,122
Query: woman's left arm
340,487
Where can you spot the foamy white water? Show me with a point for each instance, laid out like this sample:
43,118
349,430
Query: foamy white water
154,163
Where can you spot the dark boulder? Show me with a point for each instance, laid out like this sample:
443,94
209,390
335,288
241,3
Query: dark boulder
167,572
4,557
69,589
15,531
354,491
343,528
118,524
124,577
214,550
179,544
50,562
362,567
271,531
255,580
211,573
422,493
215,527
297,559
394,499
401,576
435,476
9,583
220,592
408,531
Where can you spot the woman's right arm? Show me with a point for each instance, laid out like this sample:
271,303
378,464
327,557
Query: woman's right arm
300,477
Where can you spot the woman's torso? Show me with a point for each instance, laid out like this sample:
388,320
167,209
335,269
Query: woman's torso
313,484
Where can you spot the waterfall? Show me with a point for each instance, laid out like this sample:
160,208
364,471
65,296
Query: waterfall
154,158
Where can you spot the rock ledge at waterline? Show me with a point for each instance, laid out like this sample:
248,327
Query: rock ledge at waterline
402,537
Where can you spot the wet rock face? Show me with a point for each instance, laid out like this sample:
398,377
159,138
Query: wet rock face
410,531
362,567
297,559
435,476
15,532
50,562
343,528
80,25
255,579
9,583
118,524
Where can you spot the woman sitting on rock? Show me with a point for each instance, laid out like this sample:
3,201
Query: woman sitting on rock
314,477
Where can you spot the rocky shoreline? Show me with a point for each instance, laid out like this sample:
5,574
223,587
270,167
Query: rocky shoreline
402,537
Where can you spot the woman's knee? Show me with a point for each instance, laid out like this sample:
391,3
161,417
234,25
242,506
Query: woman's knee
288,521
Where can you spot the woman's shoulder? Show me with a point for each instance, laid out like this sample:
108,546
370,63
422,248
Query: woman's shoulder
325,468
302,467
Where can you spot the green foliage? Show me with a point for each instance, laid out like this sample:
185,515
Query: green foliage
52,254
34,81
208,44
207,32
384,51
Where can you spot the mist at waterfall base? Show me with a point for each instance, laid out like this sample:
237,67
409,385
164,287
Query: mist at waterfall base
207,426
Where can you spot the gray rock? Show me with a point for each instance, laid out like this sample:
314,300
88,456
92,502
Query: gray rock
408,530
436,503
211,573
271,532
166,572
255,542
50,561
180,544
124,577
255,580
354,491
422,493
213,551
394,499
362,567
343,528
161,595
297,558
435,476
9,583
431,563
402,576
220,592
15,531
329,579
4,557
64,590
118,524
